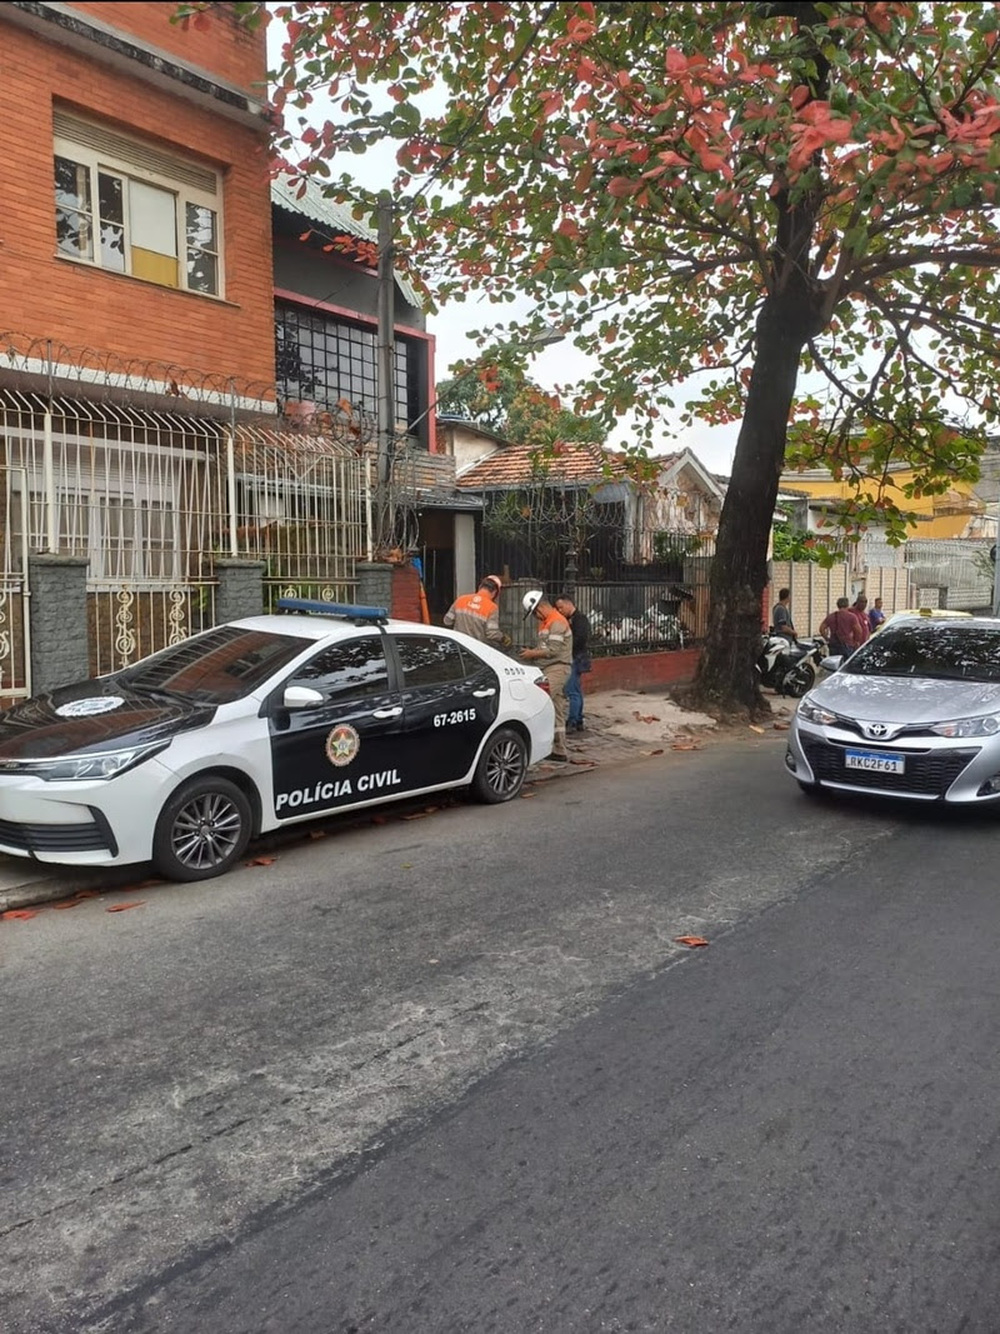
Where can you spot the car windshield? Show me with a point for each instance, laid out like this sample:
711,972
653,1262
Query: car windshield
950,651
217,667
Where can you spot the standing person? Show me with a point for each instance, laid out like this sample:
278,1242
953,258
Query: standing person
781,617
554,655
876,616
860,610
841,628
580,627
477,614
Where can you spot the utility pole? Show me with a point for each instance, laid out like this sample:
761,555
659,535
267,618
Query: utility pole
386,367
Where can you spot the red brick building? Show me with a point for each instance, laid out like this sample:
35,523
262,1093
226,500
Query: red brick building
134,204
136,325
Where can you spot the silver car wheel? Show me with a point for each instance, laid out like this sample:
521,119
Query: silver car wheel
505,767
206,830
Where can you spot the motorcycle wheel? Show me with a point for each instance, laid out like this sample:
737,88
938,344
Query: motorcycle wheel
799,680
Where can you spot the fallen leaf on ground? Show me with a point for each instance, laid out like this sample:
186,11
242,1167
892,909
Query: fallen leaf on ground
588,763
644,717
20,914
525,796
417,815
755,728
379,819
65,903
781,727
693,942
653,752
429,810
685,745
96,893
261,861
317,833
124,907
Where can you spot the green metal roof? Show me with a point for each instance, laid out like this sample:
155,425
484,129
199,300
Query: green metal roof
332,217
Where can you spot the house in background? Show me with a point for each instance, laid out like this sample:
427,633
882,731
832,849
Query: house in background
959,512
581,508
633,539
945,556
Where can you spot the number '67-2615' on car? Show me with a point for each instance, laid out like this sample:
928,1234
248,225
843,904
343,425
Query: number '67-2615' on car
185,756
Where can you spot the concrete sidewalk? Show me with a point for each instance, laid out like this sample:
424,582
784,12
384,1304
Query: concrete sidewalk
620,726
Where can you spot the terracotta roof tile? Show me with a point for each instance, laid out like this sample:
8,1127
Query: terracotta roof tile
521,465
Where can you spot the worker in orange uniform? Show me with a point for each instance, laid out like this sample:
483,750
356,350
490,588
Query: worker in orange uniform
554,655
477,614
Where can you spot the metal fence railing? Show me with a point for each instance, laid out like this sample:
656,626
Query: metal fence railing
627,616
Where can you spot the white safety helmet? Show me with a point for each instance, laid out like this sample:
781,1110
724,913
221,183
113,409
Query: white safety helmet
531,600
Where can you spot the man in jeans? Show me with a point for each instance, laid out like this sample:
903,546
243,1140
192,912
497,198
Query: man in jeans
841,628
580,626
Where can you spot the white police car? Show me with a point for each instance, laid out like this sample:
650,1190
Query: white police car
182,758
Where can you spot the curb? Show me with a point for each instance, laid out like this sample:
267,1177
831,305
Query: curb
50,889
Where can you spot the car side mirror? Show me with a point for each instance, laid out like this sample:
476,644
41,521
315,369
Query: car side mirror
831,664
301,697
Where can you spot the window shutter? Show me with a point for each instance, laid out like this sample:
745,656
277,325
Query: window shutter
132,153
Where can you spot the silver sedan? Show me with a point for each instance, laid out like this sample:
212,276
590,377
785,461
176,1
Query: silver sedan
914,713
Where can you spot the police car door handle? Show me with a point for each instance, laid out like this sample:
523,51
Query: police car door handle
387,713
482,694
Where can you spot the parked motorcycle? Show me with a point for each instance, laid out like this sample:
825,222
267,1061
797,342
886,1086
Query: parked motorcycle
789,666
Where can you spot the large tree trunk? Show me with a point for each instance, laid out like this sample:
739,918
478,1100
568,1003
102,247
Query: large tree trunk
727,678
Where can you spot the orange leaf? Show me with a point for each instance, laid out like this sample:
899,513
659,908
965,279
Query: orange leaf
693,942
261,861
20,914
66,903
124,907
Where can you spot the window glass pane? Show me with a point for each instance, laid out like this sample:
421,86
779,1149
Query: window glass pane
428,661
354,669
202,271
112,247
200,228
938,651
73,234
110,196
72,185
222,665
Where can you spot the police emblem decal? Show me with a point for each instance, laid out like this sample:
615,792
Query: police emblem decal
342,745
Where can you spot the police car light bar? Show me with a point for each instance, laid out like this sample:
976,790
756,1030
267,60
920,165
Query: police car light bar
347,610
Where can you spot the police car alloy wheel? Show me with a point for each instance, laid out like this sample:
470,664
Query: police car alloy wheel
202,830
502,766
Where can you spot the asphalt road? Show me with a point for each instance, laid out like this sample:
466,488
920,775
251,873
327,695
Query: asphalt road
456,1074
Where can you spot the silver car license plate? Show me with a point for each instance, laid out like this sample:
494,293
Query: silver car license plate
875,761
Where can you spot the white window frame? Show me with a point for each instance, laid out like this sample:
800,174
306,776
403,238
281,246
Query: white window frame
183,195
24,453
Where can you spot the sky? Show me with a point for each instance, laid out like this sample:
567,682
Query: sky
558,365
